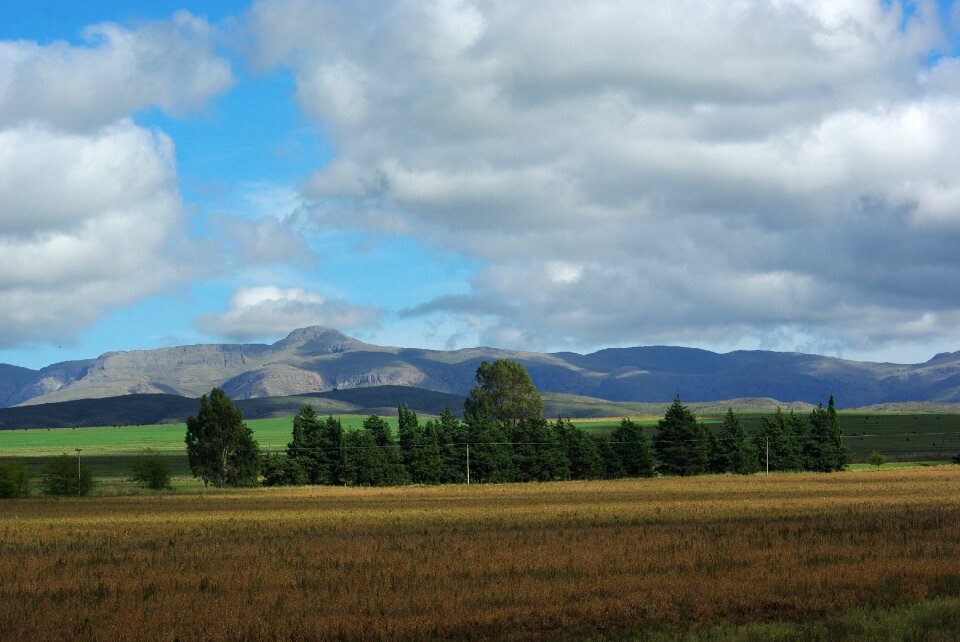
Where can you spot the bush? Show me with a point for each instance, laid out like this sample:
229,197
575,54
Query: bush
877,459
14,479
62,477
152,471
956,459
280,470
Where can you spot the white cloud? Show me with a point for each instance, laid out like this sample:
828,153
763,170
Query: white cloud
91,218
647,171
88,222
170,64
259,312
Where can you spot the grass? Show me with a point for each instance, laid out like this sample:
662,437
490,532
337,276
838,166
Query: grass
829,557
270,433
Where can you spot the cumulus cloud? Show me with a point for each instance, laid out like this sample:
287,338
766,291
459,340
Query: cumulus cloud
91,218
645,171
117,70
89,222
259,312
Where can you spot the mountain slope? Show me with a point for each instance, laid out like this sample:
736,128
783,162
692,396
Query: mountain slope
319,359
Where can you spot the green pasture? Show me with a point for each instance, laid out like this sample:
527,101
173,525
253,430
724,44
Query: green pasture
899,436
110,451
271,434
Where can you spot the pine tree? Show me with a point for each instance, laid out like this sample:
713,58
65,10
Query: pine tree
681,443
407,429
581,451
451,438
612,468
305,448
732,452
393,470
779,436
426,459
632,447
491,453
537,455
824,450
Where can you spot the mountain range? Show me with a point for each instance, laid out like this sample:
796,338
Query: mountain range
318,359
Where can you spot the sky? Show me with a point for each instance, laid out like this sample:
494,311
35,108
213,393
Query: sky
543,175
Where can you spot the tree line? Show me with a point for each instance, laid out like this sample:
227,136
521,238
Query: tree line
503,437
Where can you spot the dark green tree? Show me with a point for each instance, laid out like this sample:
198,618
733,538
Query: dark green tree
283,470
151,470
682,444
505,393
778,433
581,451
631,446
306,447
221,448
61,476
374,458
612,468
451,438
732,451
426,456
489,449
407,432
14,479
824,450
331,442
537,454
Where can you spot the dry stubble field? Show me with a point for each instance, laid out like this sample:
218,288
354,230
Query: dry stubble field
581,559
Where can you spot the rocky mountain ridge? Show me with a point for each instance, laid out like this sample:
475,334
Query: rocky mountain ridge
319,359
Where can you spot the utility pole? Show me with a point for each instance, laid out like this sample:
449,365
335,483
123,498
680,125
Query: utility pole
78,470
468,464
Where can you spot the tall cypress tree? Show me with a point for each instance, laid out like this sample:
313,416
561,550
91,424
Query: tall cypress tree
682,444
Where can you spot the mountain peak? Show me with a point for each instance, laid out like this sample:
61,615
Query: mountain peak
318,339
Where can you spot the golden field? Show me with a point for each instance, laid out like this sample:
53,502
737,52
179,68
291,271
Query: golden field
580,559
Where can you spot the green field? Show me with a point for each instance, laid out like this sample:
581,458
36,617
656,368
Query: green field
110,450
902,437
899,436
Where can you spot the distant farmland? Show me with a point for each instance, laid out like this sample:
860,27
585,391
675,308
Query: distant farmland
843,556
899,436
110,450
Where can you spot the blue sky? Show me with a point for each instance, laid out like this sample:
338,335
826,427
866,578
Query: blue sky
546,176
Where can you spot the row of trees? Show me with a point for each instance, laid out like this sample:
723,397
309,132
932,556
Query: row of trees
504,437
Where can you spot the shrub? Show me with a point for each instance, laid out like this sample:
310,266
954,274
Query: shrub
62,476
14,479
280,470
877,459
151,470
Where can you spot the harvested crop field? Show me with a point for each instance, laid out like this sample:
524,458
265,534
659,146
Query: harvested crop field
582,559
